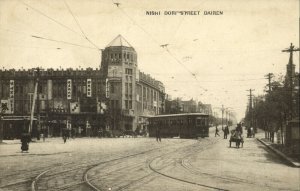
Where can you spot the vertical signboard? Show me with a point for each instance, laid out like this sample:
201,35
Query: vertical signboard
49,89
12,95
89,88
106,88
69,89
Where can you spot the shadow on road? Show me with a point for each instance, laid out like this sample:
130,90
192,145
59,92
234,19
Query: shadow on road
271,157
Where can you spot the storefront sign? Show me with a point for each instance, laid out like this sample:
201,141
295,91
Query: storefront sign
69,89
106,88
89,88
12,95
74,107
49,89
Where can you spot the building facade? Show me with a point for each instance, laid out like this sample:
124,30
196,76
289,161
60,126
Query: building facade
116,97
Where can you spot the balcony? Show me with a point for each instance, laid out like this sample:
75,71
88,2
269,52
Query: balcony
128,112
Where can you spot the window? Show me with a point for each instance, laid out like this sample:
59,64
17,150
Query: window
126,88
112,88
117,104
130,104
128,71
130,88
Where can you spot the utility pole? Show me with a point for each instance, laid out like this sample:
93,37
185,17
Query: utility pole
251,109
290,73
222,114
269,77
2,111
38,104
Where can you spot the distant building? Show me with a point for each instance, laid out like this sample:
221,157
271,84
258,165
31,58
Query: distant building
205,108
189,106
115,98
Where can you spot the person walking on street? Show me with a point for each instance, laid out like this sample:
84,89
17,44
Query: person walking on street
217,131
226,132
65,135
158,138
25,139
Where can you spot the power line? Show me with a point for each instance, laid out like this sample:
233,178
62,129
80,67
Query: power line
83,33
61,24
60,41
57,22
45,38
134,22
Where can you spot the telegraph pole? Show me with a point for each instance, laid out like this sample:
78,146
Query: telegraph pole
269,77
250,108
222,114
38,104
290,74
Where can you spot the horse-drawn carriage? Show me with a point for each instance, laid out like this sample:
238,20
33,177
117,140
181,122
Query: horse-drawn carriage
236,137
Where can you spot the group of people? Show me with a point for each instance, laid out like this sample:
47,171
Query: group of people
225,131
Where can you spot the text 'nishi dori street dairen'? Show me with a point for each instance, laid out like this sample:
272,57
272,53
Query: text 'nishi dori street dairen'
184,12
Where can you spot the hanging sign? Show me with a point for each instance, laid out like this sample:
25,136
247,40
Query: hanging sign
12,95
69,89
89,88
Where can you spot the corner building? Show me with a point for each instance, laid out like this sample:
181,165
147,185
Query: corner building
133,95
117,97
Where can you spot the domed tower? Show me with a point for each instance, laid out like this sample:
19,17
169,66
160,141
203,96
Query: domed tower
119,66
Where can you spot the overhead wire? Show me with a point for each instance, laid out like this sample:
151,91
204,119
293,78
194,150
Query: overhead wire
45,38
63,25
57,22
167,50
77,22
60,41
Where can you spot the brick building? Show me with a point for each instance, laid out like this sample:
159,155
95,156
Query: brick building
117,97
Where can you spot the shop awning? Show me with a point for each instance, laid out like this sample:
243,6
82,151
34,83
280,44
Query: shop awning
17,118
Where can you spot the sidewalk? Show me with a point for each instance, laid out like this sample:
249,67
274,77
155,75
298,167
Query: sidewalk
293,161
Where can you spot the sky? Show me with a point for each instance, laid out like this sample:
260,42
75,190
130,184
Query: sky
214,59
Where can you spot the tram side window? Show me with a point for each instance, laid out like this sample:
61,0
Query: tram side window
198,121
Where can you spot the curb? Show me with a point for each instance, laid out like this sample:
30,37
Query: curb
288,159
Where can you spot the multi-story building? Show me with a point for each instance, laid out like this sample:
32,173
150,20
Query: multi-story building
117,97
64,99
133,95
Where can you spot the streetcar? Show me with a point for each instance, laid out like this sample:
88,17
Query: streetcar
184,125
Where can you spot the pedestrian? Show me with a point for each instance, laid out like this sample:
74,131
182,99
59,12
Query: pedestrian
44,134
158,138
65,135
226,132
217,131
25,139
239,128
272,136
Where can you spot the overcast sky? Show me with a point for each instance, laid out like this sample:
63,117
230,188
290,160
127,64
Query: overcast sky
211,58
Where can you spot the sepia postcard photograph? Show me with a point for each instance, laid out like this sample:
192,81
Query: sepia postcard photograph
149,95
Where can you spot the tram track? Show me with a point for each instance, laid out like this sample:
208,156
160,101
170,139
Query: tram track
196,171
152,174
127,168
82,169
159,171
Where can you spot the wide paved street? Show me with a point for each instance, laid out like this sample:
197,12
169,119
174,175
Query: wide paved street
144,164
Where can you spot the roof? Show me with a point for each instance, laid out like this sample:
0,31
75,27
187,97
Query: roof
119,41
